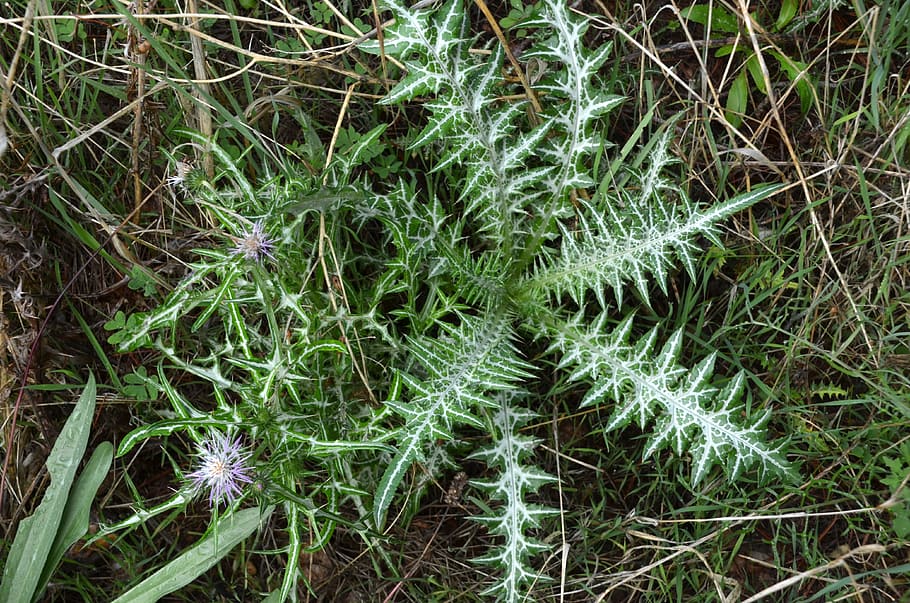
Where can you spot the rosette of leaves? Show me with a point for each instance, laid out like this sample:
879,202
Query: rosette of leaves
511,250
497,259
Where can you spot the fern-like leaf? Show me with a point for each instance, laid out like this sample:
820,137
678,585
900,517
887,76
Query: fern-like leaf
478,132
575,104
513,521
460,369
648,387
639,243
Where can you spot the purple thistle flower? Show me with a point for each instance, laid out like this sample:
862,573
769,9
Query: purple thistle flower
255,244
223,469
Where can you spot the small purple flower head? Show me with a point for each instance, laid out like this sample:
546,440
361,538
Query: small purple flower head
223,469
255,244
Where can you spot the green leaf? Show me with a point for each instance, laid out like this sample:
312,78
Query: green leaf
36,534
720,18
141,280
737,99
797,72
131,332
787,12
117,322
221,539
178,500
754,69
727,49
901,525
846,118
163,428
75,520
391,478
65,29
140,386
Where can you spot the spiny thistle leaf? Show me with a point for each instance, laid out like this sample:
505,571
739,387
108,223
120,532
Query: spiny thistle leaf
574,105
648,387
517,176
430,48
510,454
461,368
417,228
478,131
638,243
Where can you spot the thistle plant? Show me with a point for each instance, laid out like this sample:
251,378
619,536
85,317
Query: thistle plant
348,327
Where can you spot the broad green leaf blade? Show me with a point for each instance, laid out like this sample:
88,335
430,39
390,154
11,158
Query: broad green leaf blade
27,557
719,18
737,99
276,596
755,72
223,537
788,10
76,513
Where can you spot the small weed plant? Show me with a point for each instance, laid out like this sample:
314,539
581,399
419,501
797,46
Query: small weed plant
362,333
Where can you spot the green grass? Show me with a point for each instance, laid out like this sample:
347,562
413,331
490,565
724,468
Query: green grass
811,297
